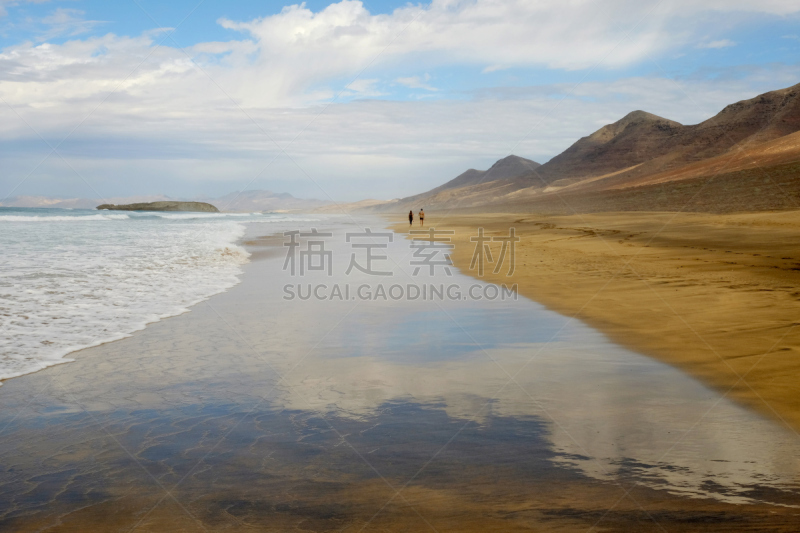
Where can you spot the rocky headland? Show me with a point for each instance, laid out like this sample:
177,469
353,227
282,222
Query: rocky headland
202,207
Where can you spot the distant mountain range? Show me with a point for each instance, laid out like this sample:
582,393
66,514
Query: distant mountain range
250,201
264,201
746,157
75,203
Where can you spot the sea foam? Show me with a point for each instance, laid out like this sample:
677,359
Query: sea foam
75,279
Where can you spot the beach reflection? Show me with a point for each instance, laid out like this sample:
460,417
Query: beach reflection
608,412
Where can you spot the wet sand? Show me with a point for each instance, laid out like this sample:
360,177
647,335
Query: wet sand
254,413
715,295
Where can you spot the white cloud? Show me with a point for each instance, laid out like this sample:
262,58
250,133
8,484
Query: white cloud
66,22
417,82
362,85
773,7
292,58
494,68
345,36
362,88
722,43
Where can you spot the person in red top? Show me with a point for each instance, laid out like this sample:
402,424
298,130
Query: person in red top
410,217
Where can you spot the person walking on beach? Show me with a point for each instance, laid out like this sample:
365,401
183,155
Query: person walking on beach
421,217
410,217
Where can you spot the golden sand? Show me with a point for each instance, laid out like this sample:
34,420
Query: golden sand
715,295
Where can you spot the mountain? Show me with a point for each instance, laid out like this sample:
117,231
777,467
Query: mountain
634,139
350,207
763,118
503,173
731,161
260,200
75,203
507,168
641,143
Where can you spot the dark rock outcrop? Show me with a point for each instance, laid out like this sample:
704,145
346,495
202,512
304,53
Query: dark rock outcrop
163,206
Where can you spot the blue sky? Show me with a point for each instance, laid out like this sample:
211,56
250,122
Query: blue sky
131,18
353,99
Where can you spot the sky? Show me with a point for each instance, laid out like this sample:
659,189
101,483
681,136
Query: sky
352,100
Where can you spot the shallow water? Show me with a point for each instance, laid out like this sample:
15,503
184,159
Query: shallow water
254,412
71,279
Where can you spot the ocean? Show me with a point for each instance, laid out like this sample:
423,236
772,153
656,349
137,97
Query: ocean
71,279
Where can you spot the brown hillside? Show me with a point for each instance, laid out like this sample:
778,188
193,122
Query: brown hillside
640,154
656,144
503,172
636,138
507,168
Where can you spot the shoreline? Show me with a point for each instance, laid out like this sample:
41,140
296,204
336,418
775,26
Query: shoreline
713,295
258,248
66,358
142,325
